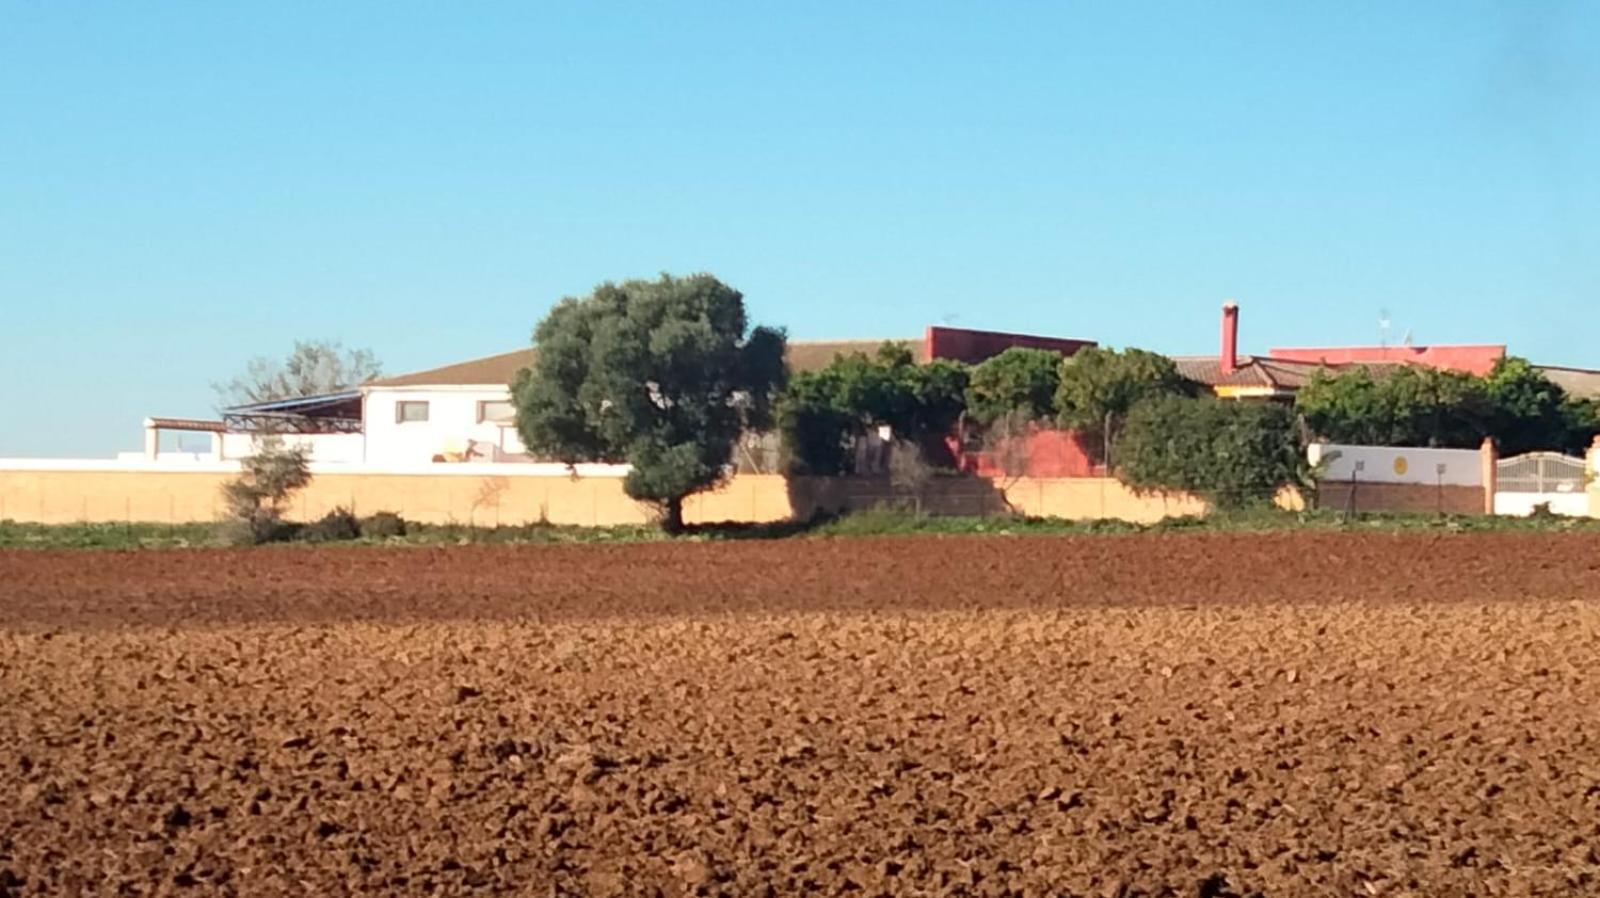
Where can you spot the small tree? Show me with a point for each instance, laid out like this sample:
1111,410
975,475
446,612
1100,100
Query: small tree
1232,453
663,375
1100,386
1017,383
257,498
314,367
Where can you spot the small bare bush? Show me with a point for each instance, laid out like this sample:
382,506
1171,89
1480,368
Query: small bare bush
909,472
383,525
335,526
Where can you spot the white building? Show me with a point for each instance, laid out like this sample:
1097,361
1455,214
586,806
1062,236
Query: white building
455,414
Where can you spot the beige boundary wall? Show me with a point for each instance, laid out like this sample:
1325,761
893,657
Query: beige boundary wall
1594,478
43,495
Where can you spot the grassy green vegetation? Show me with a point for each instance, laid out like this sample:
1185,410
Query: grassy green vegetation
875,522
14,535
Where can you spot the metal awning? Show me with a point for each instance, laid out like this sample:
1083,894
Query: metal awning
324,413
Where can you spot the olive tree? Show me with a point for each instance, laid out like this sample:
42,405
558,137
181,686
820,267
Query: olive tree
662,375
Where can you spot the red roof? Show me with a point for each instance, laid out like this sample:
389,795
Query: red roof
973,346
1473,359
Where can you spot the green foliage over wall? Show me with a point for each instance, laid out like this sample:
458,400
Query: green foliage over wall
1018,384
823,412
1232,453
1416,406
1100,386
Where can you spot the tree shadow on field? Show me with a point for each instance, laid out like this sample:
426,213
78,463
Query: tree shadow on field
736,530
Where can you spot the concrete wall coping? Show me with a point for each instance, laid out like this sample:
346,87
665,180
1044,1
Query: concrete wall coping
188,466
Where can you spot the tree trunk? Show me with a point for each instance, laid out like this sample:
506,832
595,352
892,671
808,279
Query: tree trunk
672,519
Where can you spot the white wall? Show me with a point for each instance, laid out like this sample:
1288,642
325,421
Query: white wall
340,448
1392,464
452,424
1574,504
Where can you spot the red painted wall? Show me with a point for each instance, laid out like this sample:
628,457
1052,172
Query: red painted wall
1475,359
1045,453
972,346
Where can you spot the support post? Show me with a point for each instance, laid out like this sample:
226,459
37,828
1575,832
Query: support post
152,440
1592,480
1488,458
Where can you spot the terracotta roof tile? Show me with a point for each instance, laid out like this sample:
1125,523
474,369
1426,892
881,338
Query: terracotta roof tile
491,370
1580,382
1265,371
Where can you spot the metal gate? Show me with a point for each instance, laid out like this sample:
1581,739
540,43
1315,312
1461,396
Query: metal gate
1541,478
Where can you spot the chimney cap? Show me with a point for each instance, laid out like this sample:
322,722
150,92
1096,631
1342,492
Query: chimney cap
1229,304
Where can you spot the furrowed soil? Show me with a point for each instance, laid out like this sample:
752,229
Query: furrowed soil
1194,715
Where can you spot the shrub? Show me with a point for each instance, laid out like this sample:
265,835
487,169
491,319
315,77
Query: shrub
1231,453
257,529
335,526
909,472
383,525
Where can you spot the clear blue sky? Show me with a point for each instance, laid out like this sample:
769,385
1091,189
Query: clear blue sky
183,186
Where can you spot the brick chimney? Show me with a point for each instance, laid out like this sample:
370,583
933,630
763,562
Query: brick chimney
1229,360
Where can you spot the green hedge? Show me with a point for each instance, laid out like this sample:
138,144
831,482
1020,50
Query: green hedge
1231,453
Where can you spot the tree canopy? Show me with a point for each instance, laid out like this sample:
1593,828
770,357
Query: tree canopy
1232,453
1018,384
823,412
662,375
1415,406
313,368
1099,387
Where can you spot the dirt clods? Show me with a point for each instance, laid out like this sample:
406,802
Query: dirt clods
1169,716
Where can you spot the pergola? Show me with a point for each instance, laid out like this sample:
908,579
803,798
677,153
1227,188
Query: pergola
154,426
327,413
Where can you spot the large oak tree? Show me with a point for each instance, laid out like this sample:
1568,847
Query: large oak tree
662,375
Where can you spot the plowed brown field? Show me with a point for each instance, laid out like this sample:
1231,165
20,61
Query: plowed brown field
1200,715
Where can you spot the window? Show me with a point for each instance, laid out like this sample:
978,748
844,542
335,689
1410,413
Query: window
410,411
495,410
